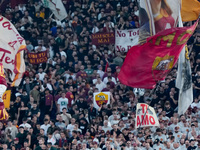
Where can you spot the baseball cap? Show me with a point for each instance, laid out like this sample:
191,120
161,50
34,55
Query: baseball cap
95,143
149,137
108,132
70,77
118,5
16,139
192,140
156,141
139,132
176,128
158,130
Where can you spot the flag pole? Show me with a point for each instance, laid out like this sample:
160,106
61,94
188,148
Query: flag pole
152,91
51,15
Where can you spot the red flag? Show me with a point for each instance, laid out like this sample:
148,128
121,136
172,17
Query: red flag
107,65
149,63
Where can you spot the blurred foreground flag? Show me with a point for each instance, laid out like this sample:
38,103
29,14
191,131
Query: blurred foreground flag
190,10
57,8
149,63
12,47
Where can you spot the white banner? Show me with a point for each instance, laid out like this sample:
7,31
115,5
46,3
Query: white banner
57,8
125,39
145,116
12,47
184,79
101,97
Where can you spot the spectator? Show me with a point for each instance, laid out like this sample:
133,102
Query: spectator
11,130
65,116
81,103
92,112
192,145
62,102
158,145
99,84
48,102
69,94
45,126
22,112
21,136
51,139
35,94
35,110
60,122
82,73
24,124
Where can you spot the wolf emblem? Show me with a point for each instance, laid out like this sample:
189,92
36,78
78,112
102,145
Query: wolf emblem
164,64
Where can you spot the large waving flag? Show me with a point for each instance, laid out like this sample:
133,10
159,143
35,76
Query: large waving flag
190,10
149,63
57,8
12,47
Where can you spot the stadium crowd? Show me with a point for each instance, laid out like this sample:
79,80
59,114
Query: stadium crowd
53,106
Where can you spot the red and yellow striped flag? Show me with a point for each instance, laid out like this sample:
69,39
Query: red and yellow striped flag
3,113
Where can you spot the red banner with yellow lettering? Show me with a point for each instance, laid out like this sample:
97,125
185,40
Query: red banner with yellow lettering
38,58
160,53
103,38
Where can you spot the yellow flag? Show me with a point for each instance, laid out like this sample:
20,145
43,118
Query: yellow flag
190,10
3,114
6,98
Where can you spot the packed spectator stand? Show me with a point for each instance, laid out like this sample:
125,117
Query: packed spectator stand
53,106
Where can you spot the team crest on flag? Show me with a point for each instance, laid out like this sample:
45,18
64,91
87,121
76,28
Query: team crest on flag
101,98
162,65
